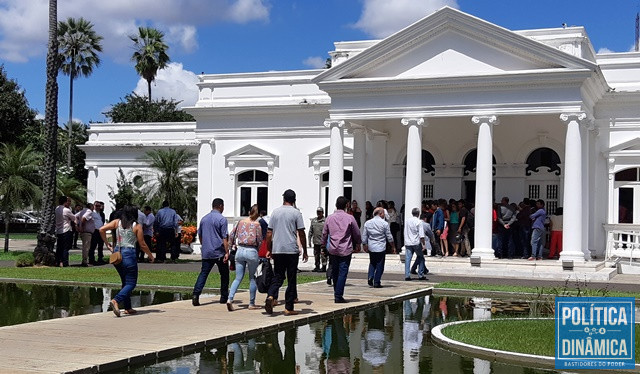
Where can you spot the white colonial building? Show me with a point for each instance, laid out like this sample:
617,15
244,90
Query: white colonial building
450,107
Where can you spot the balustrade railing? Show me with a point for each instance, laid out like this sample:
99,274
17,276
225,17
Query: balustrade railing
623,241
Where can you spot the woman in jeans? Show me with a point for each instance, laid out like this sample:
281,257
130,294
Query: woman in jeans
127,234
249,236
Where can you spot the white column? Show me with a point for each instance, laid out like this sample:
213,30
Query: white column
205,177
412,196
484,186
336,161
359,165
572,246
612,207
92,178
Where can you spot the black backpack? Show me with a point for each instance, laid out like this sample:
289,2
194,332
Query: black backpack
264,275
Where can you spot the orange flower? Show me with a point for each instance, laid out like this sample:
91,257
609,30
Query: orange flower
188,234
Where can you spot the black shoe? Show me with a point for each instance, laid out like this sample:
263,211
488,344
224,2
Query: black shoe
324,269
423,279
370,282
377,286
426,271
316,270
341,300
414,272
195,300
408,279
223,300
268,305
329,281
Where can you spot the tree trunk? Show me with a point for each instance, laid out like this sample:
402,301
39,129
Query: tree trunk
7,219
43,252
149,89
70,129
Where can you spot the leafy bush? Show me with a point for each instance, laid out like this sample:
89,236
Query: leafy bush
25,260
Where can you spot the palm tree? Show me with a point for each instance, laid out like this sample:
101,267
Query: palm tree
43,252
19,181
150,53
171,177
66,185
78,53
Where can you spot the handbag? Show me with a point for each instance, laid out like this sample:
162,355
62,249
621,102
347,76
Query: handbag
232,259
264,275
115,258
262,252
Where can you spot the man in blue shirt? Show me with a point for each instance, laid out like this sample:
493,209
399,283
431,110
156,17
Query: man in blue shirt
537,235
165,228
212,233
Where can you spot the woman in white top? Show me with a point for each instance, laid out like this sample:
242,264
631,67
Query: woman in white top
127,234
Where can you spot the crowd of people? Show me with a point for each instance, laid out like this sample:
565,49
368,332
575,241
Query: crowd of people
437,228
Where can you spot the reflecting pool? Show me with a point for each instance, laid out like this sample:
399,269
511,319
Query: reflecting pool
23,303
394,338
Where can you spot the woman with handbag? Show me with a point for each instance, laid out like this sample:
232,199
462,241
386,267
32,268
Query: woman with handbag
123,256
248,234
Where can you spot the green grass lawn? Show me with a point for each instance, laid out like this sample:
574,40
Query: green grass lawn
571,289
20,235
523,336
107,274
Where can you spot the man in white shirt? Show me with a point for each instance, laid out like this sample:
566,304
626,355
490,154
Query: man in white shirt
96,239
65,223
86,227
414,243
375,235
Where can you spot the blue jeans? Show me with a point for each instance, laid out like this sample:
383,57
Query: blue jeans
128,271
339,271
537,241
246,259
409,251
376,266
207,266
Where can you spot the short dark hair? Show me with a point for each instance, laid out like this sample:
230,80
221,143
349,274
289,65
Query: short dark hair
341,202
165,203
62,200
147,207
88,205
263,212
217,202
540,201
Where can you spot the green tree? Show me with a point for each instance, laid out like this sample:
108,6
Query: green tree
67,185
150,53
135,108
19,181
43,252
15,112
171,177
125,193
78,54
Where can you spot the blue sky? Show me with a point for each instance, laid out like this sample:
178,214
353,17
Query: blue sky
227,36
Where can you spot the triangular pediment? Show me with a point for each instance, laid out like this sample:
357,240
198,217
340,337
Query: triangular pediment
630,146
323,154
250,153
450,43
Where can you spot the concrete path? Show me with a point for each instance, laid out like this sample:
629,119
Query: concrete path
100,342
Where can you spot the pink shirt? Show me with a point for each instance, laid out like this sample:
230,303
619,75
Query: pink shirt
342,231
249,234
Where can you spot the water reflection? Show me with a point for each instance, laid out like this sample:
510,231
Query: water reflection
32,302
395,338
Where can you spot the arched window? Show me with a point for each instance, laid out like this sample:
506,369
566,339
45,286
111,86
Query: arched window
543,157
628,175
252,187
627,189
348,176
470,161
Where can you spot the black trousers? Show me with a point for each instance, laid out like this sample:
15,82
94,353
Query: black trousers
207,266
165,236
285,266
96,242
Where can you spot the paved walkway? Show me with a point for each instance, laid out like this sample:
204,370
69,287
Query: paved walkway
99,342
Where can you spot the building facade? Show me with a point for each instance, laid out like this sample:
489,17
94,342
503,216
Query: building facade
452,106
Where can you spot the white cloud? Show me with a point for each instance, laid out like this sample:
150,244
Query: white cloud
381,18
24,23
604,50
172,82
315,62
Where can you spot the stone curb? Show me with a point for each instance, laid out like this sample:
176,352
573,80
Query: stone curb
509,294
542,362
